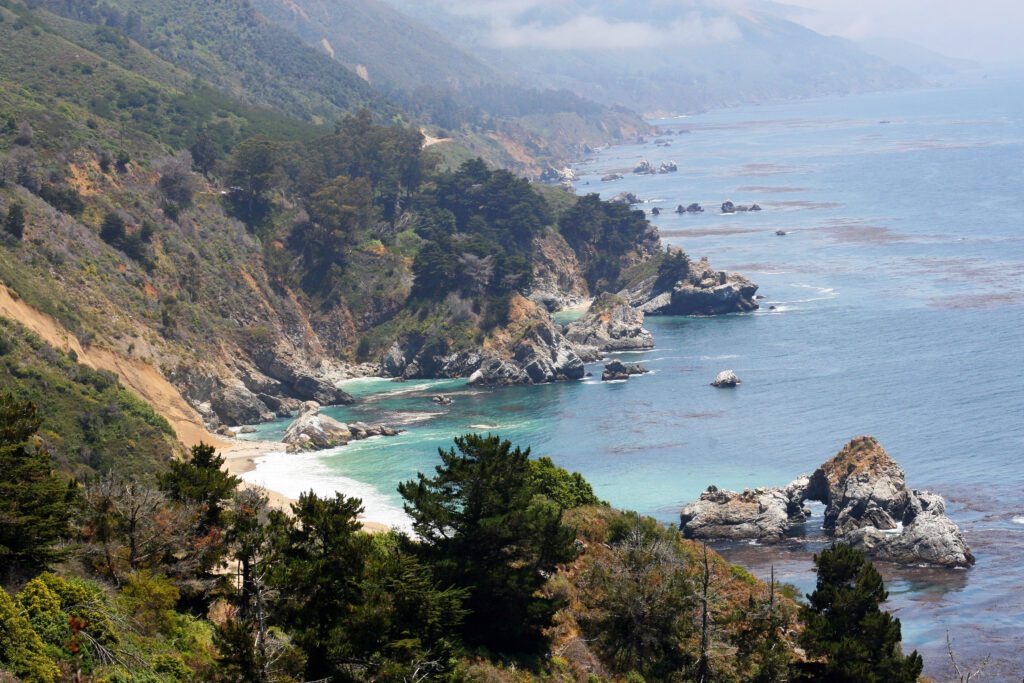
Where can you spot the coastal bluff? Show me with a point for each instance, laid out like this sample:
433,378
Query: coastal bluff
867,505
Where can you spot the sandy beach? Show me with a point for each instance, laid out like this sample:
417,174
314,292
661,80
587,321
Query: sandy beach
240,458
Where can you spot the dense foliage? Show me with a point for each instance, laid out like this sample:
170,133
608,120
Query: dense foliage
486,528
847,635
87,420
602,233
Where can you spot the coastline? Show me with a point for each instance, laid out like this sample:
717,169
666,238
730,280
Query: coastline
241,459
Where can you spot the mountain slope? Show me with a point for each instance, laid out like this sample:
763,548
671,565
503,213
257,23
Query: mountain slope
664,56
396,52
229,45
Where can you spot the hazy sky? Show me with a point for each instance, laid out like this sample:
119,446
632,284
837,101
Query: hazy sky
988,31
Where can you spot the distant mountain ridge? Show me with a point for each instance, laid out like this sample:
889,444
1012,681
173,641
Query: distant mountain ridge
663,57
397,52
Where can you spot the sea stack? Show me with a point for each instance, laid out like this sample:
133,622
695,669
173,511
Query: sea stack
867,505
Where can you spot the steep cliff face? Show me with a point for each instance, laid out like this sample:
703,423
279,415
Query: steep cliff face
558,279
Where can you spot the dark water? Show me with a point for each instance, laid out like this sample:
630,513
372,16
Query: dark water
899,295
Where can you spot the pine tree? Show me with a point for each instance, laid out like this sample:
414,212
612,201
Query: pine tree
848,638
15,222
487,528
201,480
34,502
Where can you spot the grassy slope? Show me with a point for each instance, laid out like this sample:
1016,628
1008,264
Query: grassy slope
230,46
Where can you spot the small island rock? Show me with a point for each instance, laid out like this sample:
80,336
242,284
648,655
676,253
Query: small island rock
617,370
726,378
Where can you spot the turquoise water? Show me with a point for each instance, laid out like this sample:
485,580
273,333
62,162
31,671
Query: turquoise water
899,295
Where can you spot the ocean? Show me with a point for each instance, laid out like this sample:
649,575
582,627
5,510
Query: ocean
898,295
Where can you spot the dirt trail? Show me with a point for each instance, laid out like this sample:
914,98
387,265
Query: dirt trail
141,378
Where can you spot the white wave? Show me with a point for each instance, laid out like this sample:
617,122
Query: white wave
293,474
1019,519
484,427
821,290
725,357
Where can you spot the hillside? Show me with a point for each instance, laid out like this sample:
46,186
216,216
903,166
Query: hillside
247,259
394,52
478,109
231,47
663,57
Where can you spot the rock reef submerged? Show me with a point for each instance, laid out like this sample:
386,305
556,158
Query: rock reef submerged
867,505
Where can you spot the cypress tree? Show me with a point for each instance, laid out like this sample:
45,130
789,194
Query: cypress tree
15,222
34,502
847,636
488,529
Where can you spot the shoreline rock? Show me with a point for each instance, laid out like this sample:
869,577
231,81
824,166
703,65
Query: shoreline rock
691,289
868,506
611,324
312,431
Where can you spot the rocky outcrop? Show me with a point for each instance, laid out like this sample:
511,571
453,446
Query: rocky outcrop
764,514
545,355
313,431
867,505
644,168
297,380
529,349
693,289
626,198
610,325
617,370
692,208
729,207
668,167
726,379
558,279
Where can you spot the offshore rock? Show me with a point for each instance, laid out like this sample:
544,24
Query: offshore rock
312,431
610,324
868,506
611,177
763,514
617,370
726,378
644,168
